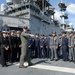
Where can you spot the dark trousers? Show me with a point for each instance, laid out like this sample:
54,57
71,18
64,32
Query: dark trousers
42,53
4,56
37,52
32,52
18,53
74,54
48,52
13,54
65,52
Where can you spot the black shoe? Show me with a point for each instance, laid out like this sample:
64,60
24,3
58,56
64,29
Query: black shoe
31,64
6,65
2,65
65,60
74,62
51,59
70,60
56,59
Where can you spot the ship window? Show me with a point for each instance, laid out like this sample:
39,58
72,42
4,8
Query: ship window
7,29
13,11
19,9
23,7
7,13
10,12
67,25
27,6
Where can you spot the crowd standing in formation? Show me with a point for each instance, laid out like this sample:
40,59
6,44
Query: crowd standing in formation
22,45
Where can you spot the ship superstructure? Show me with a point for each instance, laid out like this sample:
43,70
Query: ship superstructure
35,14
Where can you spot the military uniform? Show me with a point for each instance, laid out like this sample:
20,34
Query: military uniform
53,47
42,49
59,46
46,45
64,48
18,47
71,48
4,50
12,48
33,51
37,47
74,47
30,47
25,54
0,42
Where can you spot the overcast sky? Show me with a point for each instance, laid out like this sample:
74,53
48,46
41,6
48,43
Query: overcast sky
70,9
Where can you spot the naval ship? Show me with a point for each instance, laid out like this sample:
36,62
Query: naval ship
37,15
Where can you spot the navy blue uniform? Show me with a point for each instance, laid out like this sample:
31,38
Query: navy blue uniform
30,47
46,45
42,49
4,51
0,44
65,48
18,47
59,51
33,48
12,48
37,47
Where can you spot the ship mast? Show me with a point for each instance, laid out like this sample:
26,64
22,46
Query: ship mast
64,16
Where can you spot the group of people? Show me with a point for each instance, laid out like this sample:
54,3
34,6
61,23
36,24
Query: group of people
10,47
22,46
54,46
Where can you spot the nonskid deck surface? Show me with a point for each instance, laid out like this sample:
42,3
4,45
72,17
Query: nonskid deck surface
41,67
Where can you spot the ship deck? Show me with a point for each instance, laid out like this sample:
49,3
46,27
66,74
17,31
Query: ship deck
42,67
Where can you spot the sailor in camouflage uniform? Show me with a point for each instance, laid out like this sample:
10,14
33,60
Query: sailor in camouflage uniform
25,54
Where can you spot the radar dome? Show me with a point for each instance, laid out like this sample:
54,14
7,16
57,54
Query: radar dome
9,2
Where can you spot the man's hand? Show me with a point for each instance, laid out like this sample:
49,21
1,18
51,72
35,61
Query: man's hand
19,46
31,35
29,46
46,47
41,46
69,46
60,45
